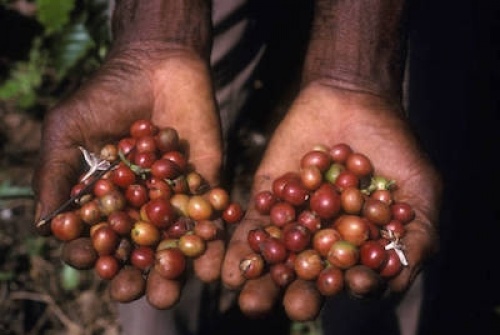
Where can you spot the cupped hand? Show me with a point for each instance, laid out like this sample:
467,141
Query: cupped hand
168,85
370,125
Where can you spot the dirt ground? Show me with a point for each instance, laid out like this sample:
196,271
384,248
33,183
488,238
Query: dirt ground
36,294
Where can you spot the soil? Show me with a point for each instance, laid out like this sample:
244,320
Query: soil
36,292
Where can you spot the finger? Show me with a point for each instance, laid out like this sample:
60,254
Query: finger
75,122
258,297
423,192
207,267
162,293
128,285
237,250
57,170
186,102
420,242
302,300
238,247
232,276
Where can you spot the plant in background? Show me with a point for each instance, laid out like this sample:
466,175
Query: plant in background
48,48
71,42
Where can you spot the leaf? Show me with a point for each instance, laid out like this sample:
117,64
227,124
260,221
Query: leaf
6,276
21,85
70,278
25,78
71,47
36,245
8,190
98,23
306,328
54,15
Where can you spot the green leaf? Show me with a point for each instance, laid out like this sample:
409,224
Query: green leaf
54,15
6,276
70,278
35,246
71,47
8,190
10,89
25,78
21,85
306,328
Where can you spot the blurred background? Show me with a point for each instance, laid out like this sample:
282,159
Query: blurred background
47,48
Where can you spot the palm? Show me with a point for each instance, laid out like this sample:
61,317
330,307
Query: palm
328,116
174,91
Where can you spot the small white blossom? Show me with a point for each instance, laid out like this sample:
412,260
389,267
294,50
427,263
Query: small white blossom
397,246
94,162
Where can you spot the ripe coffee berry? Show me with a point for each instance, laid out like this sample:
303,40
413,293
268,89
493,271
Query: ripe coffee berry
150,212
334,223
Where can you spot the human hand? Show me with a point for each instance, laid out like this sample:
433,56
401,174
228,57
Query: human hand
169,86
370,125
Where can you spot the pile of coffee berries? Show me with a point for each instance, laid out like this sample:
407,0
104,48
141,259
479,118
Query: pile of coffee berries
140,207
335,223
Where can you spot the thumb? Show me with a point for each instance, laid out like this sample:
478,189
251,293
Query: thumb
57,171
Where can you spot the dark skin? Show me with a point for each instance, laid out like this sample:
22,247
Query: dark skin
369,125
165,79
145,75
350,93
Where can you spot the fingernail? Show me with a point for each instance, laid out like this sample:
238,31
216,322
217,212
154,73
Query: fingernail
38,212
40,222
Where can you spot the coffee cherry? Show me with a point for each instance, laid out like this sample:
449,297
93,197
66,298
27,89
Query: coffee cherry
329,224
170,263
105,240
252,266
273,250
199,208
282,274
282,213
107,267
373,255
151,214
323,240
343,255
141,128
318,158
192,245
377,212
296,237
67,226
325,201
359,164
256,237
233,213
339,152
264,201
330,281
352,228
308,264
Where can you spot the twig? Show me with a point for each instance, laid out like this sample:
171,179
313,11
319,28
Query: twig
72,327
71,200
39,323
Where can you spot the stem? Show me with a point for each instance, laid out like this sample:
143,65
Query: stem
75,197
72,327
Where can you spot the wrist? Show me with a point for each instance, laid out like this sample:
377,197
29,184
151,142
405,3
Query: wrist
358,45
175,24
